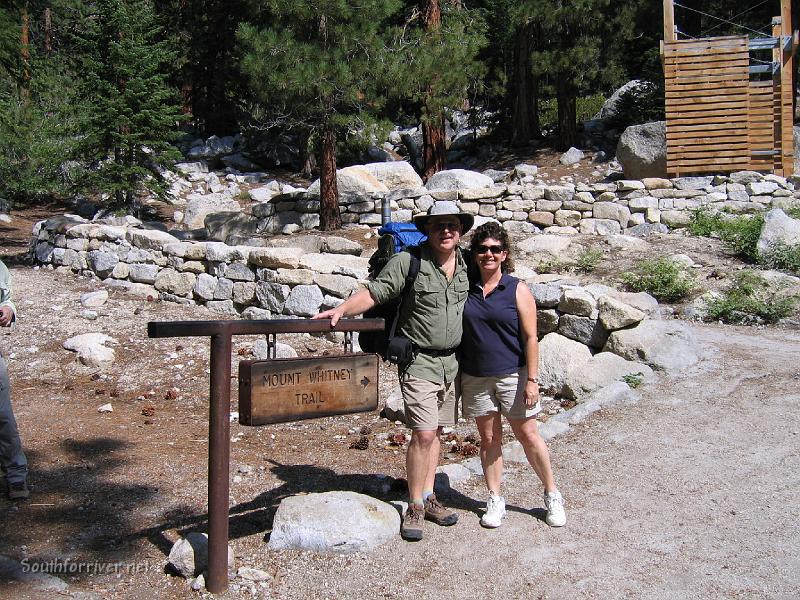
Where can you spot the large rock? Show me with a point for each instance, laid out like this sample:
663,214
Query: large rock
610,106
599,371
353,181
303,301
150,239
558,357
664,345
779,228
339,522
553,245
200,206
274,258
333,263
614,313
221,225
173,282
642,150
91,348
102,262
458,179
395,175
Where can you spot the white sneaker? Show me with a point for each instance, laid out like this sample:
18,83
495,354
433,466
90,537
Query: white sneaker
495,511
556,517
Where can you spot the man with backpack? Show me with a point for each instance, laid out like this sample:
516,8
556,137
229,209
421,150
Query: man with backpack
430,319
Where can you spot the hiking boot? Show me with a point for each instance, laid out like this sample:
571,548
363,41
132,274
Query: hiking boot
434,511
18,490
556,517
411,529
495,512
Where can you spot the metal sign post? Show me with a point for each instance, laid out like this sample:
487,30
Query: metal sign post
221,333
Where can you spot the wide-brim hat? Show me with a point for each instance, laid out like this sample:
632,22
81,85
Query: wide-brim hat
442,208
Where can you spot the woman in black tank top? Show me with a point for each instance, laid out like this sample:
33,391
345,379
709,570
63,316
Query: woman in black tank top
499,366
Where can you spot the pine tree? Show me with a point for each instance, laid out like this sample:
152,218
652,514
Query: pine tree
440,65
132,112
319,68
37,115
570,51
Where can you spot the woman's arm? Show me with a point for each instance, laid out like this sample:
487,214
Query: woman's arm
526,307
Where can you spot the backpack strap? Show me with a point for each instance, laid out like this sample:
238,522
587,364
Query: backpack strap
408,286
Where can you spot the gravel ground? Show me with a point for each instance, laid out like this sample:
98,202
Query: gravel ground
690,493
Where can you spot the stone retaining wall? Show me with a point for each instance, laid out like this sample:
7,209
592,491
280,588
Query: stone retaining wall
286,281
528,206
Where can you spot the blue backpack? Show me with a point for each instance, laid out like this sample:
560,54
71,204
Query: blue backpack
394,238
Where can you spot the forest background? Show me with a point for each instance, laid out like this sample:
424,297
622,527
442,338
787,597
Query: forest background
96,96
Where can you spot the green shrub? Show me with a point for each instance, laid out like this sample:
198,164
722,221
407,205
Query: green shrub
783,257
704,222
740,235
634,380
662,278
553,265
750,301
588,260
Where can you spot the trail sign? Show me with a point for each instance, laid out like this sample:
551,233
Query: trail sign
280,390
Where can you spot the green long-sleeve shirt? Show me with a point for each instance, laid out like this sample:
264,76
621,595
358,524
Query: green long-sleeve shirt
431,317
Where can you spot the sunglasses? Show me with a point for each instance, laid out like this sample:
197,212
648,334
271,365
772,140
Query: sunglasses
483,249
451,225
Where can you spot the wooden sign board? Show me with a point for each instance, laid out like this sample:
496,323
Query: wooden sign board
291,389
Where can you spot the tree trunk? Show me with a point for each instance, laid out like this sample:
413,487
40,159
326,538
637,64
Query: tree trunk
329,216
567,124
521,88
434,150
25,54
48,32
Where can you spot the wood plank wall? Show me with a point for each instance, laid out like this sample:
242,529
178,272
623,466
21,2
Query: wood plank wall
717,119
707,96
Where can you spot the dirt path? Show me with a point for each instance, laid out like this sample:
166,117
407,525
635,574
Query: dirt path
694,492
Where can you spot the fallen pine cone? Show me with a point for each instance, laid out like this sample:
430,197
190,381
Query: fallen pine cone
465,449
149,410
361,443
365,430
398,439
471,438
171,395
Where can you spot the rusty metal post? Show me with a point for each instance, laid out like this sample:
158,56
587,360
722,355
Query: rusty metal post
218,461
219,448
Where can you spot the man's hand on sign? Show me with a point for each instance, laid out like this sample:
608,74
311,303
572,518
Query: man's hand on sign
333,314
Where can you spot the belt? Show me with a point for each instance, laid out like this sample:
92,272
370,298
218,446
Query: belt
437,353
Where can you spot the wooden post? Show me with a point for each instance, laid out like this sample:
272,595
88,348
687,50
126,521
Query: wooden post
669,21
787,121
777,101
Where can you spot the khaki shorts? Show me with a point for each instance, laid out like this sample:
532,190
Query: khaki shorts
428,405
482,396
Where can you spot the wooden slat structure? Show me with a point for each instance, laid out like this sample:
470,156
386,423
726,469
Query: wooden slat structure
718,119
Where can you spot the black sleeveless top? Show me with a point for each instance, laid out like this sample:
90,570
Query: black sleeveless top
491,344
